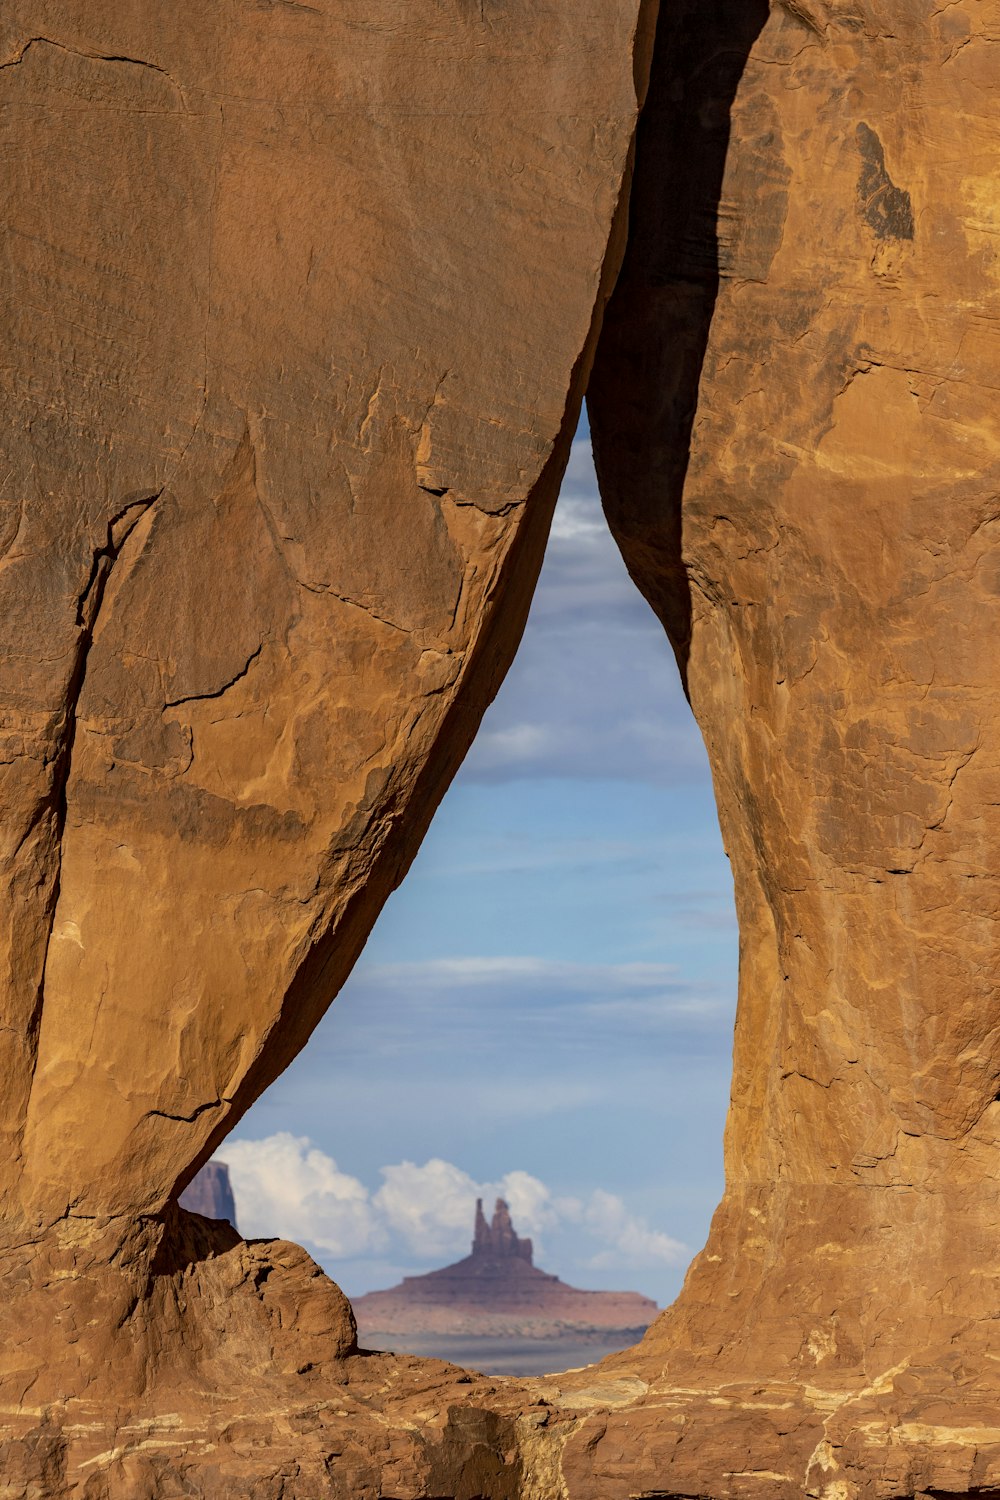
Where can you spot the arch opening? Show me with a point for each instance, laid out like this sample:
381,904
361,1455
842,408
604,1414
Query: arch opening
544,1010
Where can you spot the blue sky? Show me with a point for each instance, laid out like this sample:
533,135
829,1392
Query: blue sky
545,1007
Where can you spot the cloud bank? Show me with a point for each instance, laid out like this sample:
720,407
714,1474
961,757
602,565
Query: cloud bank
286,1187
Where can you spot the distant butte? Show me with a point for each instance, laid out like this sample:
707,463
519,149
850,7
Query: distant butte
210,1193
498,1292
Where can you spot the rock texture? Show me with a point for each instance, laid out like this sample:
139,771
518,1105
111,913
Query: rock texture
797,439
210,1193
301,300
300,329
497,1292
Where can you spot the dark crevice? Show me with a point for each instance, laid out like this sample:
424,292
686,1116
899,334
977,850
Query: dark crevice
120,528
199,1109
975,1492
643,392
88,608
218,692
99,57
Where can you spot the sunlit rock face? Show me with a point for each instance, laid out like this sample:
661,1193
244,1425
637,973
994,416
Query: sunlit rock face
301,302
297,364
798,444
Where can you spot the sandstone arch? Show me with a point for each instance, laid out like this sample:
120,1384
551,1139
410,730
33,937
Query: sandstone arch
247,312
815,537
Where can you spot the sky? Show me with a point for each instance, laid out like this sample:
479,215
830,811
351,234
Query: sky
544,1010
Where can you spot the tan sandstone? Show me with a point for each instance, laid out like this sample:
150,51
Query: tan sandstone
301,300
797,437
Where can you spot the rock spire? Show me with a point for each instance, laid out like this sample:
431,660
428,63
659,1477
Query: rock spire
497,1292
498,1238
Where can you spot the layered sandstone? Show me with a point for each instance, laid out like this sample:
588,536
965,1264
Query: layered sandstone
498,1292
301,303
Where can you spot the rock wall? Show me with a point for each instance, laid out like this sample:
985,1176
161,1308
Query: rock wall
301,304
301,324
797,440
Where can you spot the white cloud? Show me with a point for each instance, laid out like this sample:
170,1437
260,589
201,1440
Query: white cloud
631,1241
531,1203
428,1206
579,517
288,1188
516,744
461,973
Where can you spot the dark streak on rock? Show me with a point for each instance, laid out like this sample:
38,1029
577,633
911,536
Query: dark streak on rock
53,808
887,209
120,528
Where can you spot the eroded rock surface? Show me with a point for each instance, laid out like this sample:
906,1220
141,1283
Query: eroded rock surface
301,301
301,304
300,313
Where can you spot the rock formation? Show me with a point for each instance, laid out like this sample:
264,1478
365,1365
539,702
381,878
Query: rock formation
301,303
797,439
497,1292
264,560
498,1240
210,1193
